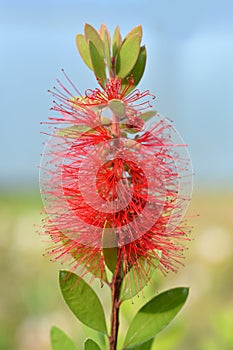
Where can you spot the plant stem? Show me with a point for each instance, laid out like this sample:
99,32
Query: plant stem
115,288
115,126
117,276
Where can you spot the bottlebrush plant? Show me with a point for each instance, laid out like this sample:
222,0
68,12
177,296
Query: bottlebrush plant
115,181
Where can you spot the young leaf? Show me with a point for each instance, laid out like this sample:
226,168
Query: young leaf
98,337
82,300
137,71
116,41
107,48
74,131
60,341
97,63
145,346
127,56
83,50
91,345
110,247
101,31
135,30
92,35
117,107
147,115
155,315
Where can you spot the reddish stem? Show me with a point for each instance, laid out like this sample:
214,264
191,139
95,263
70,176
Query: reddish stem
117,277
115,288
115,126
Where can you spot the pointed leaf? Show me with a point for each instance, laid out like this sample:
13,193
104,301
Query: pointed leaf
137,71
155,316
60,341
135,30
98,337
91,345
101,31
117,107
145,346
127,56
83,49
110,247
98,64
74,131
147,115
104,30
92,35
107,48
116,41
82,300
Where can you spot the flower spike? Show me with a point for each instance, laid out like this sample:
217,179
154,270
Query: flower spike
116,182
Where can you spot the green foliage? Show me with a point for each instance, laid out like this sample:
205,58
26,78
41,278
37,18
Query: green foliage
107,46
147,115
83,49
82,300
117,107
110,247
60,341
136,30
137,72
122,58
155,316
127,56
145,346
92,35
98,65
91,345
116,41
74,131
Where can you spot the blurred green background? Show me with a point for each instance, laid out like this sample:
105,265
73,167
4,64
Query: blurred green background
31,301
190,52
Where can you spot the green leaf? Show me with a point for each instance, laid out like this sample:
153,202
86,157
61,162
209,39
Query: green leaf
74,131
82,300
135,30
97,63
155,316
147,115
60,341
145,346
83,50
116,41
101,31
117,107
91,345
92,35
137,71
110,247
127,56
98,337
107,48
128,130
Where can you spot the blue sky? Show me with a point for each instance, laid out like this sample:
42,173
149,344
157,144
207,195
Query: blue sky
189,68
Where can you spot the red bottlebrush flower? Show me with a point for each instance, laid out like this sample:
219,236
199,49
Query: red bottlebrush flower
94,172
